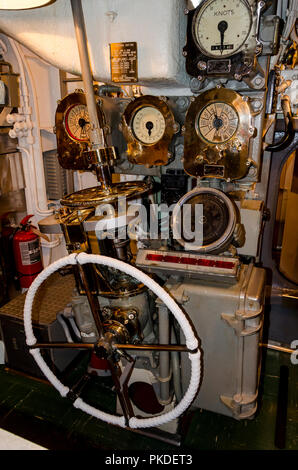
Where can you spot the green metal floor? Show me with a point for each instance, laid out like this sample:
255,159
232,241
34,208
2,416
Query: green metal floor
34,410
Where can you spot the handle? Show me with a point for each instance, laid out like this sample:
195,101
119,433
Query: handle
25,220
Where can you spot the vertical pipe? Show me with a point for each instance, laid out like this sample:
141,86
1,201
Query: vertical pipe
96,134
164,356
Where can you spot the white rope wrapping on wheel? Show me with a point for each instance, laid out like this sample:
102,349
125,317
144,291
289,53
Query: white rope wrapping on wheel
191,340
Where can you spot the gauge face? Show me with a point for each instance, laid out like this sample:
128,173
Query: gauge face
77,123
217,122
215,217
221,27
148,125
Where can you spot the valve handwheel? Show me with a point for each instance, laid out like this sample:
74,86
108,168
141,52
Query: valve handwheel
107,346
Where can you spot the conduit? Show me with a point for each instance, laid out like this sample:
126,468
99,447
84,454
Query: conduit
27,112
96,132
191,340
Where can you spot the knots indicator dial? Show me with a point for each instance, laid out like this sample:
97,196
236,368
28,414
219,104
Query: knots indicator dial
77,123
148,125
223,39
217,122
221,27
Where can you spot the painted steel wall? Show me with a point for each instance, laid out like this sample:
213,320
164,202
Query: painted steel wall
158,27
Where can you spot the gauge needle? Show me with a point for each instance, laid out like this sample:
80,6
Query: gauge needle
222,27
82,122
149,127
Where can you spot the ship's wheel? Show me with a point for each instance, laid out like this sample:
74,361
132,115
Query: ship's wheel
111,345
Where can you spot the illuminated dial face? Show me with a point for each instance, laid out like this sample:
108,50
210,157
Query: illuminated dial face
221,27
77,123
148,125
217,122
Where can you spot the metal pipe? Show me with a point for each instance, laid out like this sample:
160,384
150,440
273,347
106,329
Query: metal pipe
175,361
154,347
278,348
142,347
164,357
96,133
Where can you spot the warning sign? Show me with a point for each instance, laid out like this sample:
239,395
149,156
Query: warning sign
124,62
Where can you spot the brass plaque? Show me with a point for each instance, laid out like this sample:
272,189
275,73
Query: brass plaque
124,62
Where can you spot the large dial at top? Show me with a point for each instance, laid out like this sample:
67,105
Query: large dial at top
217,122
221,27
148,125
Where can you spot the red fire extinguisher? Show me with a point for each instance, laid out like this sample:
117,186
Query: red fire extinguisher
26,249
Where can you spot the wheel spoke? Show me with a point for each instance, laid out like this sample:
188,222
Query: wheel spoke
154,347
121,379
62,346
93,301
140,347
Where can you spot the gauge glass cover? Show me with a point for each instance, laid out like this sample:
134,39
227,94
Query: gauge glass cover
215,217
77,123
217,122
221,27
148,125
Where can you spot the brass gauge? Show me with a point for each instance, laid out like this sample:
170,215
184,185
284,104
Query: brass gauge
72,130
218,128
148,126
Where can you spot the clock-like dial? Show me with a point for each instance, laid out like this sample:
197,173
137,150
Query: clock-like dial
221,27
217,122
148,125
76,122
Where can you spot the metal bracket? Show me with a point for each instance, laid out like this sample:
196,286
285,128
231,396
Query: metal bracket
236,405
238,324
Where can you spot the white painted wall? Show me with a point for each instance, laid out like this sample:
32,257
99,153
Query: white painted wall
158,27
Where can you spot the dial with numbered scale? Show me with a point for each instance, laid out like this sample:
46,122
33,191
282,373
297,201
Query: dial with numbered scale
148,125
76,122
221,27
218,129
217,122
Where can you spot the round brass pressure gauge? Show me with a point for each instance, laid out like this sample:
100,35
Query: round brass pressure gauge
148,126
72,129
218,129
